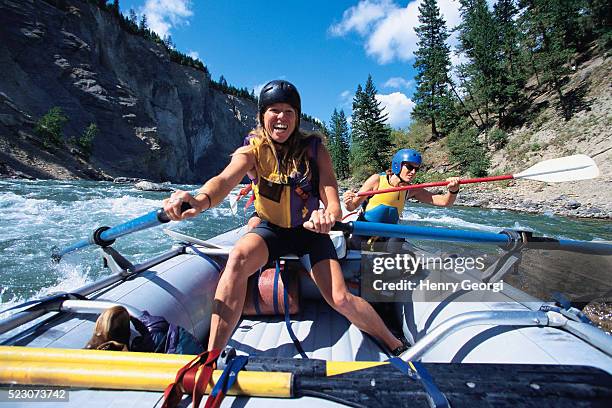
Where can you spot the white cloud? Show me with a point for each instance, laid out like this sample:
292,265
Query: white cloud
399,82
388,29
361,17
163,15
194,54
399,108
346,100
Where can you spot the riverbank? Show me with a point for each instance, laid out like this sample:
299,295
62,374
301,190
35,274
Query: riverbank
577,199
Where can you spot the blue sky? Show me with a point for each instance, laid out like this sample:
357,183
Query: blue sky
326,48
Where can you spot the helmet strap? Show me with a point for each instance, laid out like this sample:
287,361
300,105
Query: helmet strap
402,180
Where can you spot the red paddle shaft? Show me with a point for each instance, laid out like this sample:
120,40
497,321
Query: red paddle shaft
436,184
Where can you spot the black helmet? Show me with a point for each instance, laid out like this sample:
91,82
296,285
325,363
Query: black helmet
279,91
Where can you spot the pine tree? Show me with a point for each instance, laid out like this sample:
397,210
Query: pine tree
550,27
222,81
133,18
168,42
433,101
511,61
143,23
338,144
479,42
371,137
115,7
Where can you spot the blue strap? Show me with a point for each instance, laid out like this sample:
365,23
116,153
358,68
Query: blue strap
417,371
294,338
256,292
275,288
206,257
562,300
229,375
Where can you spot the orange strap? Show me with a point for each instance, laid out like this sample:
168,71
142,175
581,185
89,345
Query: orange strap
187,380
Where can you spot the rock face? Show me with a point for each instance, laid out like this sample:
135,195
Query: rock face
157,119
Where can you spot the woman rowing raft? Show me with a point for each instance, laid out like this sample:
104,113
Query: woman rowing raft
387,207
292,174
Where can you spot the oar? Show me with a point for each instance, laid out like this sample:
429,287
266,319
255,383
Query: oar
105,236
569,168
364,228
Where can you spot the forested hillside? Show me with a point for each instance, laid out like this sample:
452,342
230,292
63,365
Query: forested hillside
533,82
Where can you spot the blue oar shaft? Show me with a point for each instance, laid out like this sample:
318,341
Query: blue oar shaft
148,220
446,234
106,236
428,233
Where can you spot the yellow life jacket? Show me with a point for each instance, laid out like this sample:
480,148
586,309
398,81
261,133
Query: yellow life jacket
284,200
385,207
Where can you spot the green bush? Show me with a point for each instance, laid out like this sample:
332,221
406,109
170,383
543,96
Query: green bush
85,142
498,138
467,151
413,137
50,127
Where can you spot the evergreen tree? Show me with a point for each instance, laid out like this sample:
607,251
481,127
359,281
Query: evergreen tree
115,7
550,27
168,42
133,17
222,81
371,138
479,42
433,101
143,23
338,144
513,77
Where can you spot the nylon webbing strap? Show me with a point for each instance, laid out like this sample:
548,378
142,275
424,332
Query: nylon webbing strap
275,288
203,255
226,380
188,381
417,371
294,338
256,292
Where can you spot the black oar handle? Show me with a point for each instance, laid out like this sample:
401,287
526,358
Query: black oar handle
346,227
163,217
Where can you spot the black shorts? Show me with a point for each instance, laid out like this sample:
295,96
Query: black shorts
298,241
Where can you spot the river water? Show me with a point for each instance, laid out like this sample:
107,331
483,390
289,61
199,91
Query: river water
42,214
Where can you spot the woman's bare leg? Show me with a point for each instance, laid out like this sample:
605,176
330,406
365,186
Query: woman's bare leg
327,275
248,255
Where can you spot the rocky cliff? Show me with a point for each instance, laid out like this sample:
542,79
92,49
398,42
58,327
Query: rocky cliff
157,119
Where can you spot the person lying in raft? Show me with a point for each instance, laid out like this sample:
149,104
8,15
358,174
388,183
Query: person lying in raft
387,207
293,172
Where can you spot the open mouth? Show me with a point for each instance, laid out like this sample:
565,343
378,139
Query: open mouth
280,126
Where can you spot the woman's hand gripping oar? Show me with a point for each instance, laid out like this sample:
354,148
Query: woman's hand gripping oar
105,236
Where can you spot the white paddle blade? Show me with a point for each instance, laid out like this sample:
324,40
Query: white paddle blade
569,168
233,202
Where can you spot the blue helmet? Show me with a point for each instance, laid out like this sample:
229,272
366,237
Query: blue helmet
404,155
